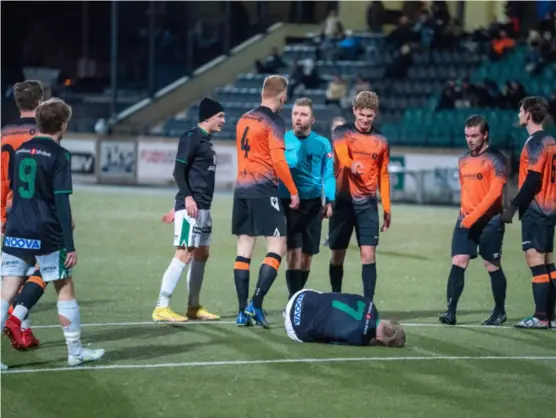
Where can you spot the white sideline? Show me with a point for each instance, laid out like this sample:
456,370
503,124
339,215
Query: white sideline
277,361
132,323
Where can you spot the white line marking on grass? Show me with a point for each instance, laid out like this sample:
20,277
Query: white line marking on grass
132,323
277,361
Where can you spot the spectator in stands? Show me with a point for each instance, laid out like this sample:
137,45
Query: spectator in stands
439,10
465,95
336,91
423,30
332,32
331,26
305,74
548,49
402,34
447,97
453,33
534,58
514,10
376,16
512,94
494,94
413,9
271,64
399,66
349,48
548,23
500,45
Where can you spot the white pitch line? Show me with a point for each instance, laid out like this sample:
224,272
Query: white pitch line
132,323
277,361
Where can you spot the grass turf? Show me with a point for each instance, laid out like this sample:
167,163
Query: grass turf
218,370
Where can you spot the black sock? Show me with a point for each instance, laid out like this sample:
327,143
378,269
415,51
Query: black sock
31,291
456,282
267,275
293,280
541,288
336,275
368,274
552,293
241,278
498,284
304,278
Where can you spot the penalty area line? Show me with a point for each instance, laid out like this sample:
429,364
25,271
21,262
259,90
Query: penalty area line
277,361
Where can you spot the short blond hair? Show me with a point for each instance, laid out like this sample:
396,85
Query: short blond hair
274,86
366,100
393,334
304,101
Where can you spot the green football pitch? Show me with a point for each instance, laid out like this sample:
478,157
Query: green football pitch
218,370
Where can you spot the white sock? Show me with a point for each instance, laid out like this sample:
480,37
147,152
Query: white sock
4,306
194,281
20,312
25,324
69,309
169,282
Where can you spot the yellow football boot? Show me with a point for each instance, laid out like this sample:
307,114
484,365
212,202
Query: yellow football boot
167,315
198,312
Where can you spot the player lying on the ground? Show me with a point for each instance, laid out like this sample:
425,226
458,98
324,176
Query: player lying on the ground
339,318
536,203
194,172
41,182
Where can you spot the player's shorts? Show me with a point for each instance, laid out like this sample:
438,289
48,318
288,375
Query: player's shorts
192,232
346,216
258,217
304,225
537,232
51,265
486,238
293,312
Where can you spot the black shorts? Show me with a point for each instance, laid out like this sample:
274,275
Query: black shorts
258,217
304,225
346,216
537,232
487,236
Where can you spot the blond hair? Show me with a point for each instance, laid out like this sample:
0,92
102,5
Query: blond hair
305,101
366,100
393,334
274,86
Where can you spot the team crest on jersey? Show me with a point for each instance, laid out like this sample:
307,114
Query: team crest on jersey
23,243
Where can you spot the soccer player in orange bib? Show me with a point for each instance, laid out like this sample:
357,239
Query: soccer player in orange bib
361,169
28,95
536,203
482,175
257,210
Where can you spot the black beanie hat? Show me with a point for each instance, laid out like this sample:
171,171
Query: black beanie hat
208,108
